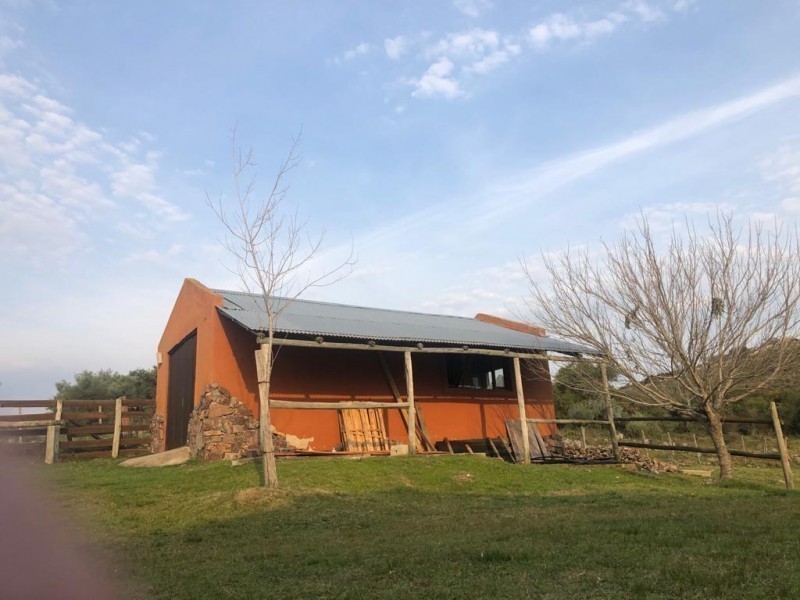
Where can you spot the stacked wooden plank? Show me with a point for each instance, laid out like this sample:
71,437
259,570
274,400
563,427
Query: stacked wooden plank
363,430
538,449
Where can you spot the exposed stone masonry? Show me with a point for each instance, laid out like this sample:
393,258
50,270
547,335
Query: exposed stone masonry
157,443
221,427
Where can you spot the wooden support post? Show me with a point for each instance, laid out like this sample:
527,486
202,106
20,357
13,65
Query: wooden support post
669,440
583,437
449,446
699,458
117,428
53,433
427,442
744,449
612,428
412,409
264,370
646,451
785,463
523,416
49,449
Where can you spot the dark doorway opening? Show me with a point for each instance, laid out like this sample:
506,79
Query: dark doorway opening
182,362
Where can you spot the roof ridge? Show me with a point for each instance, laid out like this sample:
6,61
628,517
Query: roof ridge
372,308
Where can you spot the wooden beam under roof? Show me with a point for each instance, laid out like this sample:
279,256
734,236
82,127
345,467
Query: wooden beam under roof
421,349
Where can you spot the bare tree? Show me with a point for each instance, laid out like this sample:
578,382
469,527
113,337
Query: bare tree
273,252
694,328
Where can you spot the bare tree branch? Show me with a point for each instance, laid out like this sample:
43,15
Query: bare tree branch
703,324
273,255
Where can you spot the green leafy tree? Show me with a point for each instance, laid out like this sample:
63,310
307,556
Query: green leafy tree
577,391
106,384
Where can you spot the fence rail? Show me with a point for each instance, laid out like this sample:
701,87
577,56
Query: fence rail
610,423
83,425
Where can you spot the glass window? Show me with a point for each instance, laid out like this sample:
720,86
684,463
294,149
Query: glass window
478,372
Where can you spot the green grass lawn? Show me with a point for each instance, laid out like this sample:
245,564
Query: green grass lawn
451,527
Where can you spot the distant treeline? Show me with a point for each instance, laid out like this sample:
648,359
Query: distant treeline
106,384
572,402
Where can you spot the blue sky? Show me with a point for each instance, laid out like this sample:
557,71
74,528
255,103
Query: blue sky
445,139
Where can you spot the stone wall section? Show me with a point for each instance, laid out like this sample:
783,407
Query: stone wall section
221,427
157,437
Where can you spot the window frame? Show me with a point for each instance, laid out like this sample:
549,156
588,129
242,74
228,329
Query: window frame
479,367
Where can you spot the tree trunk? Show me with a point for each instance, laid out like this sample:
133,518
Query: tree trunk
264,370
717,437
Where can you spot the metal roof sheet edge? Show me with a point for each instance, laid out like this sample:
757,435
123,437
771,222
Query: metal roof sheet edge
565,346
341,304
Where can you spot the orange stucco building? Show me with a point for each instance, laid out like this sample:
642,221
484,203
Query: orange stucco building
211,337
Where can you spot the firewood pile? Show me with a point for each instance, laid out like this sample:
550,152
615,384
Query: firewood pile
574,450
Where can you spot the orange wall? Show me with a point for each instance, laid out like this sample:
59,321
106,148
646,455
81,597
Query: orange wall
320,373
224,350
225,355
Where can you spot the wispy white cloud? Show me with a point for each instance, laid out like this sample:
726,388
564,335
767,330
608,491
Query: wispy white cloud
8,45
452,60
647,12
475,51
662,218
563,28
494,290
396,47
473,8
438,80
155,256
782,169
498,199
684,5
60,175
560,172
360,49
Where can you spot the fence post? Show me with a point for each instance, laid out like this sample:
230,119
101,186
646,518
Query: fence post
49,450
699,459
610,414
672,454
117,427
53,433
583,438
785,464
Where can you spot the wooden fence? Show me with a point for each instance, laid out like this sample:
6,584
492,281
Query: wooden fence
610,423
80,428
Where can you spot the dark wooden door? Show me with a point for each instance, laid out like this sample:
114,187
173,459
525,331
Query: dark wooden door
182,362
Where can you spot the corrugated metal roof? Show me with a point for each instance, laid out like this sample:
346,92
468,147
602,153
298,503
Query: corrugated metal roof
307,317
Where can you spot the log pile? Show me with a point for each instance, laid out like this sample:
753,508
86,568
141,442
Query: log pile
574,450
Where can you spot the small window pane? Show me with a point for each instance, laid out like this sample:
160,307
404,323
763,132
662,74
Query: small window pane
477,372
